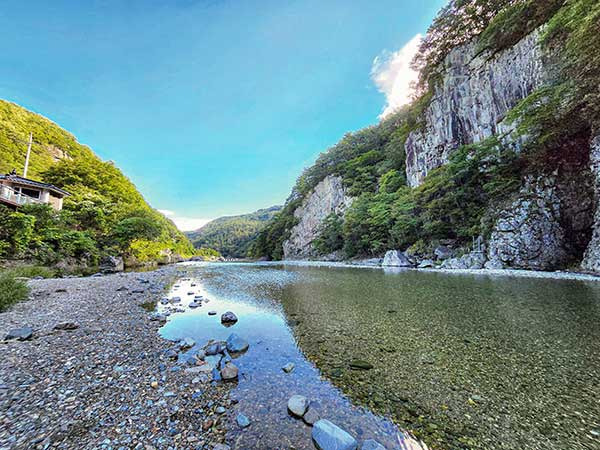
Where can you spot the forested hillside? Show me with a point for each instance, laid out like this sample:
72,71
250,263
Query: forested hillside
105,215
458,188
231,236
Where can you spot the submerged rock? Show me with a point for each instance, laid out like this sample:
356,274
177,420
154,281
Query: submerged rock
236,344
328,436
186,343
360,364
242,420
371,444
297,405
310,417
21,334
288,367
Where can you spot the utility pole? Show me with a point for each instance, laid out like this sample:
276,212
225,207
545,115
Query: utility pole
28,153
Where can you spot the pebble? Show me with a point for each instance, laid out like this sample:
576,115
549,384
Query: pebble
288,367
220,410
212,313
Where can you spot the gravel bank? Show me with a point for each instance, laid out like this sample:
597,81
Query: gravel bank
106,384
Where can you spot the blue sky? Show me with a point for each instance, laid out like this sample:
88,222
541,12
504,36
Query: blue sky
211,107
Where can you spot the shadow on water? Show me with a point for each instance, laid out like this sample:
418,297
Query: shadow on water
460,360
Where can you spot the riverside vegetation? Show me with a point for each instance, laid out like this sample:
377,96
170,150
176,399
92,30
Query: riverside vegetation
462,198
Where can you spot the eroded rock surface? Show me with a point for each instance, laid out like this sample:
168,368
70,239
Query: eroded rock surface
473,98
329,196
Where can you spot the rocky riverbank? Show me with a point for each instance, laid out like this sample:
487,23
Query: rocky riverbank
95,373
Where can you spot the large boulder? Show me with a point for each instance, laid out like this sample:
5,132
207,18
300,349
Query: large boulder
395,258
328,436
112,264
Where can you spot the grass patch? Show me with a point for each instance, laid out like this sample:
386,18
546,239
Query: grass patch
32,272
11,290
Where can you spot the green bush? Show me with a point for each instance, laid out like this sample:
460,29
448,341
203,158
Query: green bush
11,291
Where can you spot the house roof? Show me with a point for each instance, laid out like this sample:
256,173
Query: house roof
27,182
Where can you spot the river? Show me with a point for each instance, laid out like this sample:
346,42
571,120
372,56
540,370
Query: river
459,360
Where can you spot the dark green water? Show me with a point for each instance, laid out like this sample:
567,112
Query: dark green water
473,361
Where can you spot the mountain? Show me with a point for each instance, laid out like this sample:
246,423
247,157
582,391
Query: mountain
232,235
501,148
105,215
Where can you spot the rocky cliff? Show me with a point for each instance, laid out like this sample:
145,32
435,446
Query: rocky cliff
472,99
329,196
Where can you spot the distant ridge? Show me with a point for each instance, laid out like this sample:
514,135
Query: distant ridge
231,235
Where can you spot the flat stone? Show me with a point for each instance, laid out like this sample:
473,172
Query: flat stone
21,334
360,364
288,367
328,436
236,344
228,317
66,326
229,372
212,313
372,444
297,405
242,420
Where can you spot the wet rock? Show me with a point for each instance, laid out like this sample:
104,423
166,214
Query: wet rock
212,313
297,405
242,420
186,343
171,354
214,349
228,317
359,364
426,264
68,326
328,436
21,334
229,372
310,417
288,367
236,344
194,305
372,444
395,258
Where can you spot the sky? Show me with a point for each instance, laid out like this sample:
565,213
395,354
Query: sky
211,107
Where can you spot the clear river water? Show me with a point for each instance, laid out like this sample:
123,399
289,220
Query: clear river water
457,360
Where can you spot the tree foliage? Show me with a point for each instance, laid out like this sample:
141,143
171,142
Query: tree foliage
104,215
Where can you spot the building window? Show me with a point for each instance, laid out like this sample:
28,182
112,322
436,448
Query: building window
30,193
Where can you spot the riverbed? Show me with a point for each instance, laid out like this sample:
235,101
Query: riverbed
455,360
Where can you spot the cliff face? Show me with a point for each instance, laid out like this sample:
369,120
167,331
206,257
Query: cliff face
329,196
471,101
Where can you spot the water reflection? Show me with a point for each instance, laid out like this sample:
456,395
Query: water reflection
264,388
463,361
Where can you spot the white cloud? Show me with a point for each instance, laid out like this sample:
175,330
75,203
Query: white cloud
184,223
393,76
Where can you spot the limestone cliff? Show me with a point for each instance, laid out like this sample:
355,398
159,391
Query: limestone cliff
469,104
329,196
